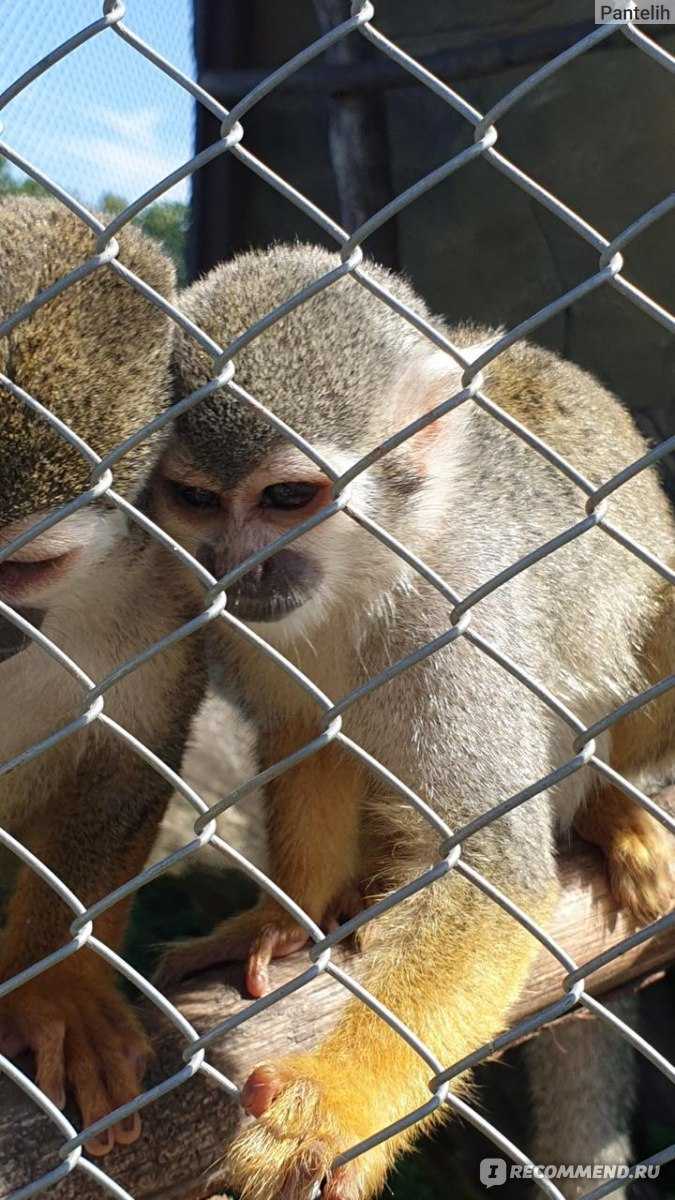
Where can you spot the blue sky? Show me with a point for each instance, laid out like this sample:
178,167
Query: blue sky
104,119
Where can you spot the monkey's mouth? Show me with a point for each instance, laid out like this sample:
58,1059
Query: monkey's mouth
273,589
21,577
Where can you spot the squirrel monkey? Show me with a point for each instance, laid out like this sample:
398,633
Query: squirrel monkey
97,356
591,622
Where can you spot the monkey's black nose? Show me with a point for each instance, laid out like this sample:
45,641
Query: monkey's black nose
12,639
274,587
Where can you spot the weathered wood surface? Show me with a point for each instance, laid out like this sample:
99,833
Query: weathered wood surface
186,1132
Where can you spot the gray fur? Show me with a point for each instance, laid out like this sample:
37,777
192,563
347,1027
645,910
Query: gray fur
470,500
89,806
97,354
293,366
582,1077
575,621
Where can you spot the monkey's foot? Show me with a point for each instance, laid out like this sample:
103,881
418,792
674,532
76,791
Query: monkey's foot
254,937
305,1120
640,865
85,1039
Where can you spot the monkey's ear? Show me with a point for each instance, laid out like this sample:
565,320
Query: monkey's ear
431,377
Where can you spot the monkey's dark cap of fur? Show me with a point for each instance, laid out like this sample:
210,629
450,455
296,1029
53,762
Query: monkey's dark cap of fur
97,355
321,368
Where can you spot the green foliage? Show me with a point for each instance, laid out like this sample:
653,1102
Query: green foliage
11,186
166,221
112,204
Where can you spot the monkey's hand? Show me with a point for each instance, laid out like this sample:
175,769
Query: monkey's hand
84,1036
442,979
637,849
254,937
309,1108
639,861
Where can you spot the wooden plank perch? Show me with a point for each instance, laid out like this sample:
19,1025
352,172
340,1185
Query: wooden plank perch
185,1133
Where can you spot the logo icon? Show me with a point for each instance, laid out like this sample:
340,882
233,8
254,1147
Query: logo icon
492,1171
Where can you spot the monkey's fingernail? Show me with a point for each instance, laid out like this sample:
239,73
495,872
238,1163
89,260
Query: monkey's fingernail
257,1097
102,1143
257,981
128,1124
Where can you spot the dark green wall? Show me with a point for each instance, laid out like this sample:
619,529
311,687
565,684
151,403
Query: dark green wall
599,134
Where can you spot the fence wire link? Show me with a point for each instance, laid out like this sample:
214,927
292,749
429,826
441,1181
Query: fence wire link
482,141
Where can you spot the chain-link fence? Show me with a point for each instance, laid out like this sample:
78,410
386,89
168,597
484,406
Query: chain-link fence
482,142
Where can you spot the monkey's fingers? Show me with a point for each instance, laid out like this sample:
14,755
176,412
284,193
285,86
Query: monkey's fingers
273,941
85,1039
262,1088
303,1123
41,1031
639,862
240,939
11,1041
638,850
50,1073
225,944
103,1084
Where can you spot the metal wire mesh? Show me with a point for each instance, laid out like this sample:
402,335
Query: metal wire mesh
482,140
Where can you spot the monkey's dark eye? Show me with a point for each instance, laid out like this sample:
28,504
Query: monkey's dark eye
194,497
288,495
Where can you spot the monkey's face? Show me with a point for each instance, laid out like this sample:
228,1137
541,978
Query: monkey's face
51,567
96,356
222,526
347,374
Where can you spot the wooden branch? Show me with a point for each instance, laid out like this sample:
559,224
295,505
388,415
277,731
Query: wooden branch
186,1132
